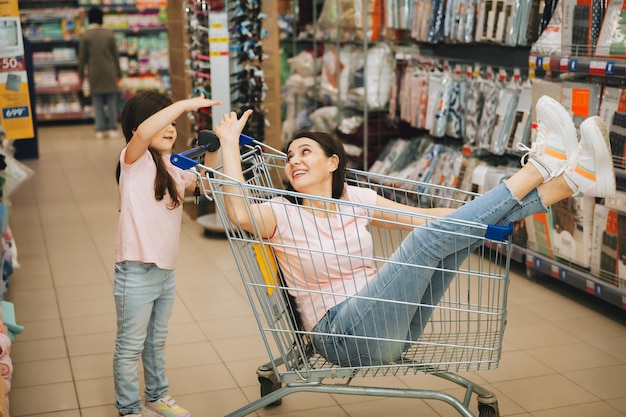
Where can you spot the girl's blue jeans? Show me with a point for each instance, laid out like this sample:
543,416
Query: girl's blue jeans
144,298
376,330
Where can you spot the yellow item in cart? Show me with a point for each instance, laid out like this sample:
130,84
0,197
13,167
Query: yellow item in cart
267,265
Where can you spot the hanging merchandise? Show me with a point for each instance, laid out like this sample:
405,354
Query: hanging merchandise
370,81
358,20
491,91
435,85
474,106
505,113
521,127
421,18
437,17
297,95
442,104
334,80
458,101
549,42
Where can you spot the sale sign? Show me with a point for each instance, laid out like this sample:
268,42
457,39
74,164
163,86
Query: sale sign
16,120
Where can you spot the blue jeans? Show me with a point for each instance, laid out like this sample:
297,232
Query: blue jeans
105,111
144,298
367,321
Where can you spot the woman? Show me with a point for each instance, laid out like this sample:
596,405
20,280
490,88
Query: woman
343,328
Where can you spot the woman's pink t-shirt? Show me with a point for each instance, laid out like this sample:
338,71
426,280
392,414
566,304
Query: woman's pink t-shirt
309,251
148,231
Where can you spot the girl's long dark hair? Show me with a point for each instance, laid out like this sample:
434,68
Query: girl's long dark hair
331,146
141,106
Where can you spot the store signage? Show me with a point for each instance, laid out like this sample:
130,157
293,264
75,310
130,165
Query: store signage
16,120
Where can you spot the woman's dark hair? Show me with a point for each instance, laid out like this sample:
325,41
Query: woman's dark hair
95,15
141,106
331,146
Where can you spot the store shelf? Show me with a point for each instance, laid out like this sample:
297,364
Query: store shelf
56,63
575,65
63,116
58,90
578,278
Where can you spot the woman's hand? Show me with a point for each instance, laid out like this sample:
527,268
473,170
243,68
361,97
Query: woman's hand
230,127
199,102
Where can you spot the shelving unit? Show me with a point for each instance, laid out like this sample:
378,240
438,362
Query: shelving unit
54,29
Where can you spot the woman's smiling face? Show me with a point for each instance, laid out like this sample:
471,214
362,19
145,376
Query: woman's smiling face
308,167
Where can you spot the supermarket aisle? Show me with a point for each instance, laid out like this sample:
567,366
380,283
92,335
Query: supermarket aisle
563,356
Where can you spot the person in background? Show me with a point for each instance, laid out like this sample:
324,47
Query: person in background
148,235
99,58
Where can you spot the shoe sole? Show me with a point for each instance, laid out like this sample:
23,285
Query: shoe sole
555,110
590,129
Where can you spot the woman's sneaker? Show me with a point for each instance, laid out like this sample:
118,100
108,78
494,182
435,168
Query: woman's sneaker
556,139
590,172
166,406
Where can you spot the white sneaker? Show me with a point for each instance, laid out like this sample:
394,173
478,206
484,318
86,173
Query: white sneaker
113,133
556,139
590,172
99,134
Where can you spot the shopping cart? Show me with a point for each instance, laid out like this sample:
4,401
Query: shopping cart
463,329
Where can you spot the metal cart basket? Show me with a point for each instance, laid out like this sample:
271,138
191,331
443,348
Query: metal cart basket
463,329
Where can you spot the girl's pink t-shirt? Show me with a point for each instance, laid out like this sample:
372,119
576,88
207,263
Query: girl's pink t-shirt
148,231
309,252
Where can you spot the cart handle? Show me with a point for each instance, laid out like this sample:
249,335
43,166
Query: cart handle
209,142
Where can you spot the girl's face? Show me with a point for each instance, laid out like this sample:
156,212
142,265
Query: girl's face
308,167
165,139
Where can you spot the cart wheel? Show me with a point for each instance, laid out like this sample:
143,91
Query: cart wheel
267,387
488,410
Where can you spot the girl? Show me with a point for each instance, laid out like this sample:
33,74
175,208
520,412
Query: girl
151,196
555,168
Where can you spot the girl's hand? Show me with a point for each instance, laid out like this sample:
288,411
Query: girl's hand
230,127
199,102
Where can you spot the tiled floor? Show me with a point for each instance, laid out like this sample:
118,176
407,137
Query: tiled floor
564,354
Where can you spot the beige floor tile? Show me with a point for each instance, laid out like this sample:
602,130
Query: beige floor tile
41,329
92,366
183,333
230,327
84,292
593,328
89,324
36,312
64,413
49,371
191,354
95,392
572,357
605,383
582,410
292,404
389,407
213,403
538,335
515,365
202,378
83,308
241,348
618,403
91,344
25,300
38,350
42,399
545,392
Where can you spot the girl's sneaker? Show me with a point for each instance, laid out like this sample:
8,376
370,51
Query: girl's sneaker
590,172
556,139
166,406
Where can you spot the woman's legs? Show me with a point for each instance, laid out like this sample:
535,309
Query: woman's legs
380,327
367,320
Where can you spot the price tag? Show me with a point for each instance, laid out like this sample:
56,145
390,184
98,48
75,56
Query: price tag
610,68
546,64
554,271
532,62
563,63
539,62
597,68
573,65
